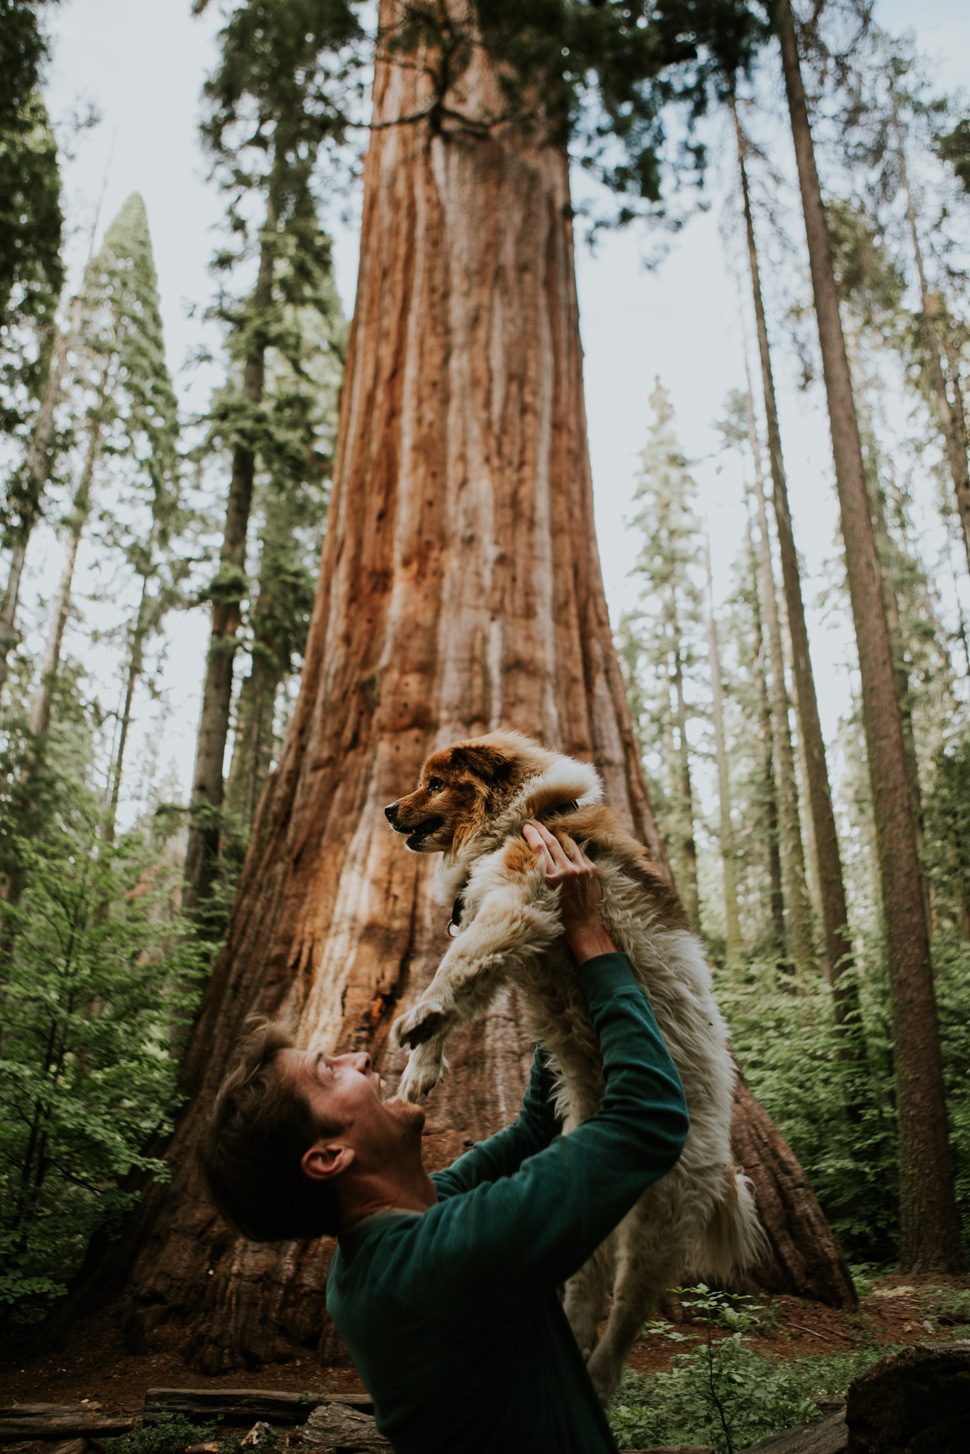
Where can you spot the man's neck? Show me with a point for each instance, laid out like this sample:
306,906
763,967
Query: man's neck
394,1191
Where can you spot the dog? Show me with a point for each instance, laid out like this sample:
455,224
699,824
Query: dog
471,804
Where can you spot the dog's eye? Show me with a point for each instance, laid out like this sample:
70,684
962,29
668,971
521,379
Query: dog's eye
435,785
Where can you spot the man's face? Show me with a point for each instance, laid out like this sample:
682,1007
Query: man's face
344,1090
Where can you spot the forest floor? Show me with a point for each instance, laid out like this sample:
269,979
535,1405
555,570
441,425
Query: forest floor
93,1366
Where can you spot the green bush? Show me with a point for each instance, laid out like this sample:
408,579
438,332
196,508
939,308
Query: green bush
95,974
724,1394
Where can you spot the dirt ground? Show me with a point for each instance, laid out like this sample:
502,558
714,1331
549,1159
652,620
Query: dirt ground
94,1367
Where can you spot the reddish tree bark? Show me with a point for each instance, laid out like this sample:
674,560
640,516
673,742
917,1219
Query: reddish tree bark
460,589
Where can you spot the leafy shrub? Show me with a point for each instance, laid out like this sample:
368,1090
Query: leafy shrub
724,1394
173,1434
96,973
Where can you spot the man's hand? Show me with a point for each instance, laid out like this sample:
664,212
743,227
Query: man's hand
567,868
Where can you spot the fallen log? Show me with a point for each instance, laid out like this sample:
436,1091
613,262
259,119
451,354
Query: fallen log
336,1429
55,1421
828,1435
243,1405
916,1399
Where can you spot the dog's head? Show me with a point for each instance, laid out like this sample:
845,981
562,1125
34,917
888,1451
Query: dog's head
461,787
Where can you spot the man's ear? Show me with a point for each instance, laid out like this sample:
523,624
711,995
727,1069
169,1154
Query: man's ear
322,1162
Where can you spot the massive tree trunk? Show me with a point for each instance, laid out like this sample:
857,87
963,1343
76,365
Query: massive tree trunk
929,1226
837,957
460,590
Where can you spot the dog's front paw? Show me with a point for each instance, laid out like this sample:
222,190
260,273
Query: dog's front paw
422,1072
418,1025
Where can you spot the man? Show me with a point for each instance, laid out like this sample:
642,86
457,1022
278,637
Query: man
445,1286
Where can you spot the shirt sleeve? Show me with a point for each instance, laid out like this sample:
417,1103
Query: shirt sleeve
511,1237
502,1154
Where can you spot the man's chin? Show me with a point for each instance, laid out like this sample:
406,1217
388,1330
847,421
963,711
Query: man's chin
406,1112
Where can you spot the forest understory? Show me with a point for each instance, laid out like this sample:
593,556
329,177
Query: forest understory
827,1346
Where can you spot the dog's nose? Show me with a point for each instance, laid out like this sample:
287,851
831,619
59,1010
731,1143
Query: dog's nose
390,812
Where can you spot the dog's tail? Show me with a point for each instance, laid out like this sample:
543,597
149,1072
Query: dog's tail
734,1239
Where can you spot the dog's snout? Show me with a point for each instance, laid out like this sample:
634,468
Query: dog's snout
390,812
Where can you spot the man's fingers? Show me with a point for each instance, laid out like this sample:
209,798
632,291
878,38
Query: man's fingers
574,853
558,858
538,839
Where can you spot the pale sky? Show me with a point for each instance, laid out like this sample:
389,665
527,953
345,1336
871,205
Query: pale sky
142,63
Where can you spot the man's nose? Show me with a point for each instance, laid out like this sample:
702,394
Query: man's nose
390,812
359,1059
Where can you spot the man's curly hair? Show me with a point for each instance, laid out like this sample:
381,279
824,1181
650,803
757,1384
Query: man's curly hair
252,1144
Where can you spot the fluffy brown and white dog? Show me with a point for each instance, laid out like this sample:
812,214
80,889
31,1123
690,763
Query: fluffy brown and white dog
470,805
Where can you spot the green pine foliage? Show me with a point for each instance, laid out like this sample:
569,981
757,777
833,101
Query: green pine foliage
95,971
31,276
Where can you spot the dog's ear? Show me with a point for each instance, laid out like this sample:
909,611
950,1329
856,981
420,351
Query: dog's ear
488,764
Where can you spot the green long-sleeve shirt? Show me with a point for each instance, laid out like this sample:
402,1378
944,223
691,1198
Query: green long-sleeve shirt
452,1315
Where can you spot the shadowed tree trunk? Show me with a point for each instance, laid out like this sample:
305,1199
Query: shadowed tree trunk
835,919
929,1226
460,589
202,851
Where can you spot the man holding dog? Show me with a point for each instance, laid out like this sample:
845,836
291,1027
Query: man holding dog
445,1286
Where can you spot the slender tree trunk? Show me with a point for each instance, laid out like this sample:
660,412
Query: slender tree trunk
837,953
799,924
254,739
202,851
888,555
929,1226
951,419
38,469
460,590
685,791
729,866
136,662
776,893
40,713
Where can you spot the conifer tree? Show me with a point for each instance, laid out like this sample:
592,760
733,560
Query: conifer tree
275,98
130,435
740,424
31,275
837,957
302,393
669,620
929,1229
728,869
754,655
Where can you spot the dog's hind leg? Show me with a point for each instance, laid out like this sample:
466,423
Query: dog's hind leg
586,1296
646,1264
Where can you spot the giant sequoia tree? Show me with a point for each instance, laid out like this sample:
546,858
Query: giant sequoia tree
460,589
